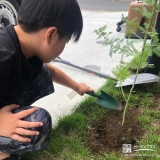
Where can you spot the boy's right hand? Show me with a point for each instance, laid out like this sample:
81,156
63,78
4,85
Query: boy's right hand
13,127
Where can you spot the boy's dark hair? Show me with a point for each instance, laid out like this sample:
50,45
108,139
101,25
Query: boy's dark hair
65,15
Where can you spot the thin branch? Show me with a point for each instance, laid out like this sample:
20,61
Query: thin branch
135,33
144,43
123,94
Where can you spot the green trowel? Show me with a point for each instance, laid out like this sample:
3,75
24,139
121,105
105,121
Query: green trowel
106,100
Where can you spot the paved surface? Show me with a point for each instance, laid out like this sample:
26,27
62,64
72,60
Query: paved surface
106,5
88,51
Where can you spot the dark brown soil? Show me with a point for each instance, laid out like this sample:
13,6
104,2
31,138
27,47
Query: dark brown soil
108,135
134,70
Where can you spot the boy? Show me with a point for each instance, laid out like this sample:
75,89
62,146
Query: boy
44,27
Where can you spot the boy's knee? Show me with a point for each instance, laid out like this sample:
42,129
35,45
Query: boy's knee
37,142
41,115
42,140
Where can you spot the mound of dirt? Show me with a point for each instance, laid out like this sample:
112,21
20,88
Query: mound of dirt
108,135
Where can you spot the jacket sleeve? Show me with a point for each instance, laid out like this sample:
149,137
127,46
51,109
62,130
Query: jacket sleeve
6,68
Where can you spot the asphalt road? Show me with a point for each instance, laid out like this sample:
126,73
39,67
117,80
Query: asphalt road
107,5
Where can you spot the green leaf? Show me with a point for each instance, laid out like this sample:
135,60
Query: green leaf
131,22
103,28
158,8
146,25
149,65
123,18
145,12
149,1
135,51
155,40
154,30
118,45
143,30
157,50
106,42
96,31
99,37
152,34
109,33
148,50
138,10
121,72
110,52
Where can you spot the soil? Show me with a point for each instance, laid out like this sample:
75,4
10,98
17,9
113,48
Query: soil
108,135
134,70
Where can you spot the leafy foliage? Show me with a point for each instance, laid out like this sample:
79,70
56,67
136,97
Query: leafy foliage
127,47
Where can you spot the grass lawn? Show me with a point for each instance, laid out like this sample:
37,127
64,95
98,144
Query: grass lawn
95,133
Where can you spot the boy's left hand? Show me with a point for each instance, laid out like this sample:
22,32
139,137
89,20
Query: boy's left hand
82,88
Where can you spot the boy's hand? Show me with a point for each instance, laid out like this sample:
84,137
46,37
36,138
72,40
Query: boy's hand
82,88
13,127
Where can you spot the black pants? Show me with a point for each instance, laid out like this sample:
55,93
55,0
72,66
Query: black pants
41,87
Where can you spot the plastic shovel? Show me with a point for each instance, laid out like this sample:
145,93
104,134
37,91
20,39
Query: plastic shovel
106,100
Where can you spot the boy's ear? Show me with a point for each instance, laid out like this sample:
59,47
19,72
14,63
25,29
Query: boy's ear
50,34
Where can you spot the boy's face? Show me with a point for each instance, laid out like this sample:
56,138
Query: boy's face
52,46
